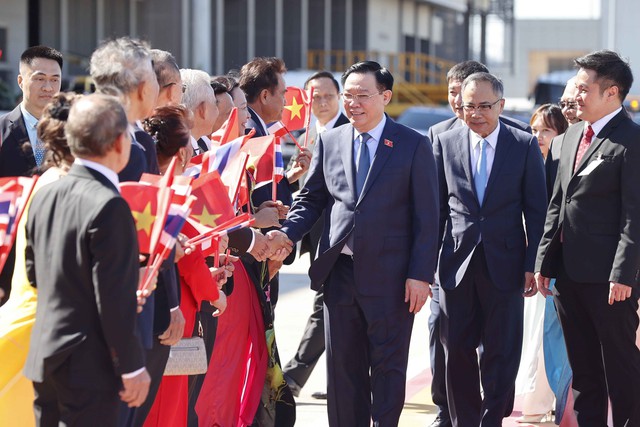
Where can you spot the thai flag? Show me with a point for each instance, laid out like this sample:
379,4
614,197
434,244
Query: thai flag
278,171
6,204
178,214
227,152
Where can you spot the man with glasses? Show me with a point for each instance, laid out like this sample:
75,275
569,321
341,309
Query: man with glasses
491,175
326,109
376,183
568,101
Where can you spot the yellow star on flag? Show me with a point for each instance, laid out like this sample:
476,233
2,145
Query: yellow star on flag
144,219
205,218
294,108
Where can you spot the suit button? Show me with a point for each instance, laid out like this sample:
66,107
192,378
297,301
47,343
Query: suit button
357,211
481,219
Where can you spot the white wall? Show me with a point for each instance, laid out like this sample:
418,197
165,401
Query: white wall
14,19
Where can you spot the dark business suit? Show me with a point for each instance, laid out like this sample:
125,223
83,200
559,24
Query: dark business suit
552,161
481,302
590,239
394,230
312,343
16,159
79,237
436,351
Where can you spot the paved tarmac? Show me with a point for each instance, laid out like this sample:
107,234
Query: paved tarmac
294,306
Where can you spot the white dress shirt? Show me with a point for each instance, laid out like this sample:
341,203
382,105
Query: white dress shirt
474,149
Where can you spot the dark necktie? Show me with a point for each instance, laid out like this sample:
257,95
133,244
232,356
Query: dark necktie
363,163
585,142
202,145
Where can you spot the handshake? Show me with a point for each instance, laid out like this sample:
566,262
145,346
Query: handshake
275,245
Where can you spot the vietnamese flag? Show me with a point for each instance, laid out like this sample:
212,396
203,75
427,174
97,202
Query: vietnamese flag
262,161
228,131
213,206
143,202
297,109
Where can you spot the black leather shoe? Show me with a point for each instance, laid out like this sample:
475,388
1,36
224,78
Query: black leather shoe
321,395
441,422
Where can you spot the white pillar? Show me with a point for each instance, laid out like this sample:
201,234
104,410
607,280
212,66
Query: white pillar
251,29
201,35
220,37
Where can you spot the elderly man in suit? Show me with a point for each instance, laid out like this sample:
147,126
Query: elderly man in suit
455,77
590,244
491,175
84,351
375,181
21,152
326,109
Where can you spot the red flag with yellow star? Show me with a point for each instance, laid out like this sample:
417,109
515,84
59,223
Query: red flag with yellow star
297,108
143,202
213,206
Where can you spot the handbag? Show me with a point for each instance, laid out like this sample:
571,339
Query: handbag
187,357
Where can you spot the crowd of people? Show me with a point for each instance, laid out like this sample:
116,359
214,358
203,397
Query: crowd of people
487,215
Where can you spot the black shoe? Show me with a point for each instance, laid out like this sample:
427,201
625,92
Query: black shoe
293,386
441,422
321,395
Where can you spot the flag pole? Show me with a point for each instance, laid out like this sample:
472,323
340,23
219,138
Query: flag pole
308,119
274,189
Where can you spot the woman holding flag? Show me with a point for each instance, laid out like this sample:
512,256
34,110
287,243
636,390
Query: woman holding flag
169,127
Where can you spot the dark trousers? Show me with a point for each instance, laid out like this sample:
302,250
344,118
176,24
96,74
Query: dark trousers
311,345
601,345
209,329
437,358
367,351
57,403
156,360
475,313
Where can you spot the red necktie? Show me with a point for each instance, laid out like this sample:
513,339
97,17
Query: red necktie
585,142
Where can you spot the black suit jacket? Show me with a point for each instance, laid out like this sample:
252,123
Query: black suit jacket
552,161
596,210
79,238
515,188
16,153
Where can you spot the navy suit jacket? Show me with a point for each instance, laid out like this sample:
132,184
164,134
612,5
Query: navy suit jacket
455,122
394,221
16,153
516,188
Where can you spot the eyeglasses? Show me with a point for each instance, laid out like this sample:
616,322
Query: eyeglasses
184,86
359,97
323,98
483,108
569,105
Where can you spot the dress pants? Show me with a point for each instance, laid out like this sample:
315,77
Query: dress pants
437,358
364,334
57,403
602,351
311,346
155,362
476,313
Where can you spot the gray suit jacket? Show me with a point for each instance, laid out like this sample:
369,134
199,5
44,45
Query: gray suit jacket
516,188
596,213
394,221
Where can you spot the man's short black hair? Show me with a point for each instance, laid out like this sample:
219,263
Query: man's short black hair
611,70
464,69
40,51
218,87
383,77
259,74
320,75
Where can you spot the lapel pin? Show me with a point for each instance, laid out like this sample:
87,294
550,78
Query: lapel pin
388,143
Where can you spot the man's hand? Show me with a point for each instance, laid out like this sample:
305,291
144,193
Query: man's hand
618,292
267,214
175,330
416,293
220,304
279,245
543,284
530,288
135,389
300,166
260,249
141,297
274,267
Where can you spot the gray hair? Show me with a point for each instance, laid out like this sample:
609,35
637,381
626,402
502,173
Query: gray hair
95,122
164,65
123,63
496,83
198,88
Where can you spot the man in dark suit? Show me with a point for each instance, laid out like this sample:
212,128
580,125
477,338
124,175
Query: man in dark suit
39,79
375,181
326,109
590,244
125,64
491,176
455,77
84,351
